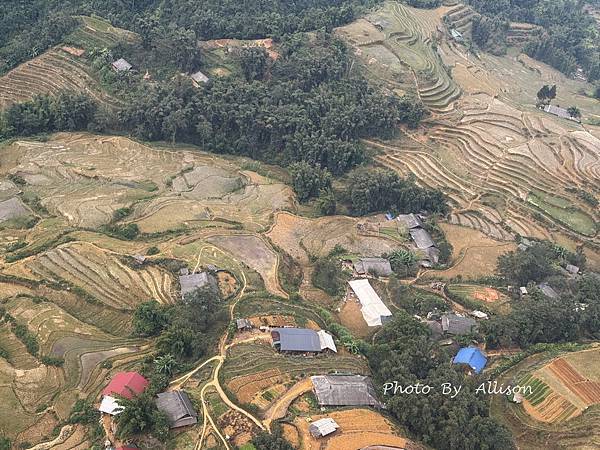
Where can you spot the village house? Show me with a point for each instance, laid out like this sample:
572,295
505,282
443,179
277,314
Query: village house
344,390
421,238
323,427
177,407
372,308
302,340
191,282
198,78
547,290
379,267
243,325
121,65
472,357
560,112
123,384
458,325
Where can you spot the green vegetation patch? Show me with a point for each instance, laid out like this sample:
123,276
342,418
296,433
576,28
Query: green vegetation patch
563,211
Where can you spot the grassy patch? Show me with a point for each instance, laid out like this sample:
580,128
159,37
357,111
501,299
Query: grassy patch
562,210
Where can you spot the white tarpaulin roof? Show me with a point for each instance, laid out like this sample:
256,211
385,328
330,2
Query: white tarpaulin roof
110,406
326,341
373,309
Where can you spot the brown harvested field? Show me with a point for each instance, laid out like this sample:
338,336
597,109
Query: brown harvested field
474,254
246,387
297,235
554,408
351,317
358,428
256,253
588,391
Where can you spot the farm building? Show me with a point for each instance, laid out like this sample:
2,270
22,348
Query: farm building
191,282
456,35
573,270
302,340
243,324
547,290
198,78
471,356
124,384
344,390
178,408
323,427
372,308
560,112
479,314
121,65
458,325
410,221
373,266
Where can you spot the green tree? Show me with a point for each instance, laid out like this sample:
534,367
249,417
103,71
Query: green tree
402,260
165,364
574,112
272,441
254,62
308,180
326,203
149,318
140,415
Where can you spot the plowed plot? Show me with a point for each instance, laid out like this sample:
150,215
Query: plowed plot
253,251
294,234
102,275
588,391
358,428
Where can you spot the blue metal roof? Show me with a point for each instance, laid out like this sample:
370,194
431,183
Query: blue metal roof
471,356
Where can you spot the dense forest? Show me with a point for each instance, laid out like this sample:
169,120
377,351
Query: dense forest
29,28
569,37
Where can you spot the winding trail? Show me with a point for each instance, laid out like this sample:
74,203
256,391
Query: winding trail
215,383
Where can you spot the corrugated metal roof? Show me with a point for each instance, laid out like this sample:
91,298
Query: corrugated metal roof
378,266
547,290
199,77
372,308
410,220
243,323
557,111
344,390
453,324
326,341
298,340
121,65
190,283
422,238
178,408
323,427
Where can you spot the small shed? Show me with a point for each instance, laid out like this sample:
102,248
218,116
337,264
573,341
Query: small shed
573,270
198,78
178,408
380,267
121,65
479,314
243,324
456,35
323,427
523,291
471,356
548,290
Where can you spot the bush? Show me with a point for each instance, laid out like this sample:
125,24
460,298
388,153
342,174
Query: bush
152,251
53,361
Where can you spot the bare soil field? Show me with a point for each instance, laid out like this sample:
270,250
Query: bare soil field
474,254
351,317
358,428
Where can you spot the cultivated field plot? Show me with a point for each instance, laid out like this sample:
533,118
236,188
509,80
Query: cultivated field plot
96,32
488,148
85,178
51,73
103,275
298,235
486,296
561,391
358,428
256,373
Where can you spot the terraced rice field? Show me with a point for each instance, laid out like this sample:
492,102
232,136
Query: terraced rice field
103,275
51,73
252,369
98,33
486,147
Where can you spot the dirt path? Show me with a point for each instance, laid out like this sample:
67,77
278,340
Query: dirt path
279,409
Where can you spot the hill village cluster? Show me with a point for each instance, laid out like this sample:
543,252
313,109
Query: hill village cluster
331,390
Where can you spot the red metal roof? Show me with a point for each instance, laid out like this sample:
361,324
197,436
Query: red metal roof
126,384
